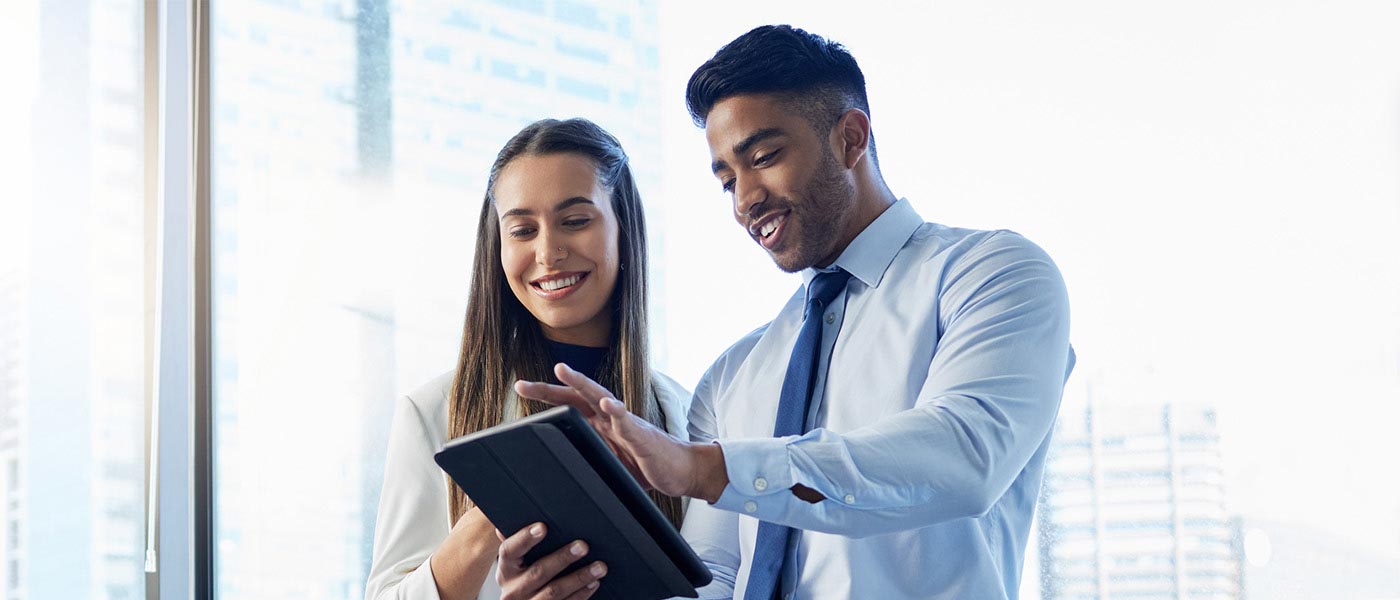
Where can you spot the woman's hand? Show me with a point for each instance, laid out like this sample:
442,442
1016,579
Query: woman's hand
463,560
545,578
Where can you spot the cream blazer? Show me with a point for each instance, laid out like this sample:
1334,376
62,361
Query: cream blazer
413,514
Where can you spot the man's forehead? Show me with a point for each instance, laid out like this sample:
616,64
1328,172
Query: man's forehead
737,118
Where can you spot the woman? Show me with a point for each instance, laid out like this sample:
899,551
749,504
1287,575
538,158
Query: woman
559,276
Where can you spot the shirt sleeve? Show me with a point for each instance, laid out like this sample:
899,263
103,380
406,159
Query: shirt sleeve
988,403
712,533
413,514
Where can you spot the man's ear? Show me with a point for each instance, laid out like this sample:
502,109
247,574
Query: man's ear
851,137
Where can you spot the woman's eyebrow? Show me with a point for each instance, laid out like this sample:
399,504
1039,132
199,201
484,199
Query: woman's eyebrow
571,202
525,212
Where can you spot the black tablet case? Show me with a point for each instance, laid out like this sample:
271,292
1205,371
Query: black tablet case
552,467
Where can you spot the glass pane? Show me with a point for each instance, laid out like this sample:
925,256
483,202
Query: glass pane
1219,191
352,141
71,292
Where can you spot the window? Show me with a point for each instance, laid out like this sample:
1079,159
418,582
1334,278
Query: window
343,229
1217,183
72,273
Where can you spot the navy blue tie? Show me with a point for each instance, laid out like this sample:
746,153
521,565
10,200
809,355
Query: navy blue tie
771,545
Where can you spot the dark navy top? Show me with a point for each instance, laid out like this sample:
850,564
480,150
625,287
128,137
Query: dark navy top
583,359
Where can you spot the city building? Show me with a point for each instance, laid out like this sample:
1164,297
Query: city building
71,314
1133,506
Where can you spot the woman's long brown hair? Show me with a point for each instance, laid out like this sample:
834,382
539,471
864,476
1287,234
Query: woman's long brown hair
502,341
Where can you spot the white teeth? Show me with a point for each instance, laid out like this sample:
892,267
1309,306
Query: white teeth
555,284
768,228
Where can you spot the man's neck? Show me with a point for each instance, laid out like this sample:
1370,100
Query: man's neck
873,198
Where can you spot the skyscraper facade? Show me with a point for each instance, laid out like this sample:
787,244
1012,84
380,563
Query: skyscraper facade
71,315
1134,506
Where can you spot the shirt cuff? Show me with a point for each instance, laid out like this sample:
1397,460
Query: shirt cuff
760,476
420,583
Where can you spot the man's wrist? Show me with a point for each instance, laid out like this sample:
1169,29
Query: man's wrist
711,475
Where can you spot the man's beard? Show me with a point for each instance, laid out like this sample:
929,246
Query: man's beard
821,217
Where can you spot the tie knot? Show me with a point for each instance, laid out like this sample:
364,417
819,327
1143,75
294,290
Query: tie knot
826,286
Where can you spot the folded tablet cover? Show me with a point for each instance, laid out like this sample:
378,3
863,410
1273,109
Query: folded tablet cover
553,468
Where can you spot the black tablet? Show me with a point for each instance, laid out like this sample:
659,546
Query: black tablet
553,468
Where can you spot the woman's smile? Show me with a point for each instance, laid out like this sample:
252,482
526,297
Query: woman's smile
557,286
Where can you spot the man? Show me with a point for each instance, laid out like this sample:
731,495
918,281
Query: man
885,435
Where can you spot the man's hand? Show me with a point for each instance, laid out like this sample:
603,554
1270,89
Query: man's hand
542,580
657,460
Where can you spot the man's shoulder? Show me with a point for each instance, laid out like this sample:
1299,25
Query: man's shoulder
723,368
945,245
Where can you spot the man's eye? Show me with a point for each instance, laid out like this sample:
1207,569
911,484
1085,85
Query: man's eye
766,158
728,186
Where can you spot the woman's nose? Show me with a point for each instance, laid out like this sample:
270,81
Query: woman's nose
549,251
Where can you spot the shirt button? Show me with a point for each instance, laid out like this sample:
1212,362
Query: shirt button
760,484
830,318
750,506
850,499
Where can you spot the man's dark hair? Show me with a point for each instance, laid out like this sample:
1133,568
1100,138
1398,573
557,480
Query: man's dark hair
817,76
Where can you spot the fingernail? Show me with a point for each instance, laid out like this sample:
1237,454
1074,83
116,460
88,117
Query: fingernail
537,530
597,569
578,549
592,585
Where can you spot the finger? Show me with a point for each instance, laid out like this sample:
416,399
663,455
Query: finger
624,425
544,572
586,387
585,593
513,548
582,581
557,395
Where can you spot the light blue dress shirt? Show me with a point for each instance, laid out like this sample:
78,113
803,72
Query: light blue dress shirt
941,371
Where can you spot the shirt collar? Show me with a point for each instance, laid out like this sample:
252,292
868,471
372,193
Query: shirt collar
870,254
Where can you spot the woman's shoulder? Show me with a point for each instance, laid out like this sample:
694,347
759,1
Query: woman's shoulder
674,399
431,400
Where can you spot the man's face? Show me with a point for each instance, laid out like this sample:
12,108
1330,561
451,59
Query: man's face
790,193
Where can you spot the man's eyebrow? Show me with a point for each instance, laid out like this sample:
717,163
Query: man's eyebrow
747,143
525,212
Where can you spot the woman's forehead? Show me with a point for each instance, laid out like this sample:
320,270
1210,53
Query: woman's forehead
540,183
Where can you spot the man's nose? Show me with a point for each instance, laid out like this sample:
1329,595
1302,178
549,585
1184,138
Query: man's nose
748,193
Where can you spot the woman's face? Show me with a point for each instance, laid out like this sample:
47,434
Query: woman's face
559,244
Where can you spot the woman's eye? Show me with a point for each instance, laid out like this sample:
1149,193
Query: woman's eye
576,223
522,232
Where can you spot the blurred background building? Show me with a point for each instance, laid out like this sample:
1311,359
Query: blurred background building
1134,506
71,313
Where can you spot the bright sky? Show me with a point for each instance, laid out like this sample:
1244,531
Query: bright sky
1219,182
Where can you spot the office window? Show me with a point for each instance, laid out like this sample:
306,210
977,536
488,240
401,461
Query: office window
1219,195
344,226
71,298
